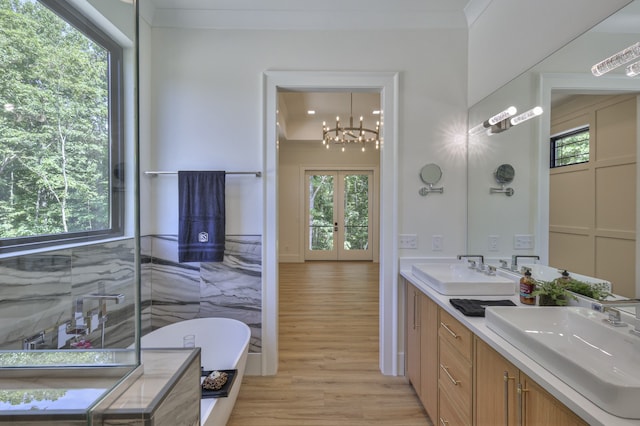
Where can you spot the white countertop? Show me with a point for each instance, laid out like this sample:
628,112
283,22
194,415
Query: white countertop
577,403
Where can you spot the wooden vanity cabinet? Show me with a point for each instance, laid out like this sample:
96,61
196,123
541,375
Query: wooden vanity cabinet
422,348
455,371
498,401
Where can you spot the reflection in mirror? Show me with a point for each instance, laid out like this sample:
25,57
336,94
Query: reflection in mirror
504,174
430,174
562,80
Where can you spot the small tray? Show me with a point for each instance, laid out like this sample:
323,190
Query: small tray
223,391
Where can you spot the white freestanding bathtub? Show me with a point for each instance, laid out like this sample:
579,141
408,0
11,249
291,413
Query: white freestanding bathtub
224,344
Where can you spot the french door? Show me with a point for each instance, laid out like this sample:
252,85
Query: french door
338,210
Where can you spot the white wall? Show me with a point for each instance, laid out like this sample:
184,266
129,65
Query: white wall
207,98
207,106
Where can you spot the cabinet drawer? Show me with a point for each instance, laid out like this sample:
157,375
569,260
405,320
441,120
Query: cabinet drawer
459,336
449,414
455,378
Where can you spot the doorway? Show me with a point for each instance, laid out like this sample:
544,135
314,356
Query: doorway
338,215
386,83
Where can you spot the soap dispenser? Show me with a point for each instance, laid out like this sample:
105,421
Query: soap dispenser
527,286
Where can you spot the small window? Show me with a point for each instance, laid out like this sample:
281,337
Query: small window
60,127
570,148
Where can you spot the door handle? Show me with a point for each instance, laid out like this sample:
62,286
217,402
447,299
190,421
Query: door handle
335,227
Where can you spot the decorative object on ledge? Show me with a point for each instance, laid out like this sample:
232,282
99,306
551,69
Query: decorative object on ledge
156,173
344,136
504,175
430,174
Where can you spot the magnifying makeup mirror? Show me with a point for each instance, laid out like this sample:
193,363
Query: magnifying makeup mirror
504,175
430,174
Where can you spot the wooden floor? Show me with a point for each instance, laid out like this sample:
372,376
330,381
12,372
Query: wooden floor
328,371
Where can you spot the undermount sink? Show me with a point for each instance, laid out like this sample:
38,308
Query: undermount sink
457,279
599,361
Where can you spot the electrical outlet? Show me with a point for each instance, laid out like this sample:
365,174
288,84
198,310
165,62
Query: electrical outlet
494,242
437,242
523,242
408,241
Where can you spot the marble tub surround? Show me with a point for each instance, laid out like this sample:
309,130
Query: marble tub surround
38,291
183,291
167,393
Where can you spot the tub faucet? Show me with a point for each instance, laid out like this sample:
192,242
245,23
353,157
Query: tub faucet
78,314
614,314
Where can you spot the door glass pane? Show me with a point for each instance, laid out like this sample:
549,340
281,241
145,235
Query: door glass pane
321,212
356,212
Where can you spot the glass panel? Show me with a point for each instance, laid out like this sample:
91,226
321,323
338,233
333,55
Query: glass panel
321,215
356,212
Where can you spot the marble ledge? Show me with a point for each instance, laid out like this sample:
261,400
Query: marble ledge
162,368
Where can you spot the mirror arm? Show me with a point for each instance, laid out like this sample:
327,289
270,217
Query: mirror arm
427,190
502,190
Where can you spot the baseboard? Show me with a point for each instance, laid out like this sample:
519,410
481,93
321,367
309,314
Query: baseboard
289,258
254,364
401,370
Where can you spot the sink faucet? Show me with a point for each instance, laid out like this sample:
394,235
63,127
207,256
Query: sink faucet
471,256
614,314
515,257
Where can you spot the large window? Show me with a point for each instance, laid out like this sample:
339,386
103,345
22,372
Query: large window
60,127
570,148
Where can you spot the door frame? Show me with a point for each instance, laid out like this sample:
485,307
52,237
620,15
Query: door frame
374,191
387,83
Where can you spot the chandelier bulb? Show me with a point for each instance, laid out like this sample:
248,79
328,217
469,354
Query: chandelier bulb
343,149
363,149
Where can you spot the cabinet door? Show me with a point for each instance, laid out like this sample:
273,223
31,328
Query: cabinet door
495,397
429,355
541,408
413,336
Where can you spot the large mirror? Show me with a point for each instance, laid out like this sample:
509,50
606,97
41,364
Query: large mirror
580,217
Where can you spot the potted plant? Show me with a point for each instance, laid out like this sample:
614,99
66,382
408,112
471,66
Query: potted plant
552,293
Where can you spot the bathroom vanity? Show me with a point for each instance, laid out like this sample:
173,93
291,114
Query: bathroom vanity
465,373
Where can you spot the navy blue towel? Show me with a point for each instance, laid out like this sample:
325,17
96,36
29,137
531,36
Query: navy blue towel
201,228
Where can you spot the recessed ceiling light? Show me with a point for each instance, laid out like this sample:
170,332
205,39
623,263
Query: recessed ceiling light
376,112
311,112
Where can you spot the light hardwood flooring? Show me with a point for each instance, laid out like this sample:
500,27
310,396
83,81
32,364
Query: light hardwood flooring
328,371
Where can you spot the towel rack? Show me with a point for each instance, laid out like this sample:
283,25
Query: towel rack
156,173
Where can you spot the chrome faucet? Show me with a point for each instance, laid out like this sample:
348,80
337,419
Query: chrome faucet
515,257
86,326
614,317
473,264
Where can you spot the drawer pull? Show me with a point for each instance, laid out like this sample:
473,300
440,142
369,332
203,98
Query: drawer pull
443,325
443,422
454,381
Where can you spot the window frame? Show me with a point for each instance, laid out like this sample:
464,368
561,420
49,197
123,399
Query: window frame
80,22
552,149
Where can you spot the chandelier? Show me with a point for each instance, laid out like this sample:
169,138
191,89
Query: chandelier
350,135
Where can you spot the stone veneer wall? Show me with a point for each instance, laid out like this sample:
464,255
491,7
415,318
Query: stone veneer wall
38,291
173,291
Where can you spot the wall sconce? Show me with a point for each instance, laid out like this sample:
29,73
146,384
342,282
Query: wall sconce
514,121
494,120
614,61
